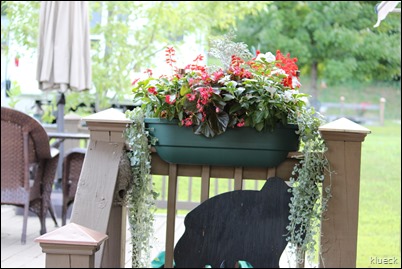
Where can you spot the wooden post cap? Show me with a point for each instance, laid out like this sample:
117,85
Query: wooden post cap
72,117
73,234
109,120
343,129
110,115
344,125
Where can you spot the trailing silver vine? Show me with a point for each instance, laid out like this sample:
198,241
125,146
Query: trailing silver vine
141,198
306,207
224,47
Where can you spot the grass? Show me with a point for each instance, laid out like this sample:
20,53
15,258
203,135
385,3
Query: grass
379,232
355,92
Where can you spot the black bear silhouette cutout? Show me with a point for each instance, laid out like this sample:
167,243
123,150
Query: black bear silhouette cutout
237,225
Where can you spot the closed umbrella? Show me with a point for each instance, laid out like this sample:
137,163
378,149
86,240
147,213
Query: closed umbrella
64,61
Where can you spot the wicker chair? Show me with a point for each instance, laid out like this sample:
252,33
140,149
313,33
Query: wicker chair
28,166
72,165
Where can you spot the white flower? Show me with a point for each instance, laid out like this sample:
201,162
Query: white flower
287,96
269,57
279,71
224,79
271,90
295,83
231,83
293,91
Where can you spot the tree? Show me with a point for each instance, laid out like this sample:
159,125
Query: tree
133,32
333,40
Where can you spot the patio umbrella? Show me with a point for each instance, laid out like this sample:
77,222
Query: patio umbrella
64,51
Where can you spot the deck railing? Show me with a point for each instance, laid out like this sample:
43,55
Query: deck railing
191,199
94,207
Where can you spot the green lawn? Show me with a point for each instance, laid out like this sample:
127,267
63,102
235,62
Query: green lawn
380,197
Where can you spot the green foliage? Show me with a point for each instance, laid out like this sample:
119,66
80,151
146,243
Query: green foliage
338,36
133,33
14,92
79,101
23,25
141,198
48,116
133,38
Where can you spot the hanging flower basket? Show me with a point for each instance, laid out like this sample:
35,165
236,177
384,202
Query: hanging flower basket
236,147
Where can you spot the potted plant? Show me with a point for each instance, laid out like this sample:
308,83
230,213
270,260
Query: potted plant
253,97
258,92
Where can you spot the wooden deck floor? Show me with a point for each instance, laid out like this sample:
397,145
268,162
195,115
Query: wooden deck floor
16,255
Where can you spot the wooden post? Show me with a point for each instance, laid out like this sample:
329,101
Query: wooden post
205,182
382,110
71,124
342,101
339,225
238,178
171,215
71,246
95,193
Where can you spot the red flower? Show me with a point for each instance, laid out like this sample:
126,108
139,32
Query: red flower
187,122
149,72
170,99
205,76
240,123
17,61
170,52
190,97
152,90
289,66
135,81
198,58
218,75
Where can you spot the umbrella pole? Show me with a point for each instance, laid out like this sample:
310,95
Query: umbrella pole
60,128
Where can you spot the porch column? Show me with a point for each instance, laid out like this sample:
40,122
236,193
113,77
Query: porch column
339,225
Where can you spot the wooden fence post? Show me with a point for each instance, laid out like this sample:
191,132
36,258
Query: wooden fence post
382,110
93,206
71,125
339,225
342,102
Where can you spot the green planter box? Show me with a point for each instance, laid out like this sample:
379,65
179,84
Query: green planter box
236,147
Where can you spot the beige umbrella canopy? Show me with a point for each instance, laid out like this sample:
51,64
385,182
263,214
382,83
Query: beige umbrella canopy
64,60
64,46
